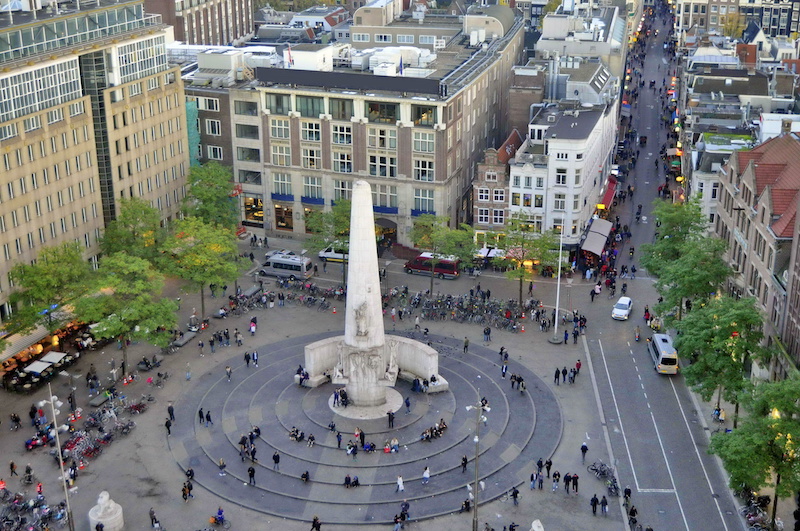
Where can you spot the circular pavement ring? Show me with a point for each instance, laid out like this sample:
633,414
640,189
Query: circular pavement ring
521,427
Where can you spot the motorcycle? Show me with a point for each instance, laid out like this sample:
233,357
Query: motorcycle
636,334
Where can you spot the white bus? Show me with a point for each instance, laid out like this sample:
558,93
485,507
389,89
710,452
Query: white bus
287,265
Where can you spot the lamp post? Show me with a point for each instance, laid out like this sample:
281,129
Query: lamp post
480,408
53,403
556,339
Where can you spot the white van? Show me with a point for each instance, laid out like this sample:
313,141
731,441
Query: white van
335,252
287,265
665,357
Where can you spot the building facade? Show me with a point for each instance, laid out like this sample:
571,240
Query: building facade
213,22
100,118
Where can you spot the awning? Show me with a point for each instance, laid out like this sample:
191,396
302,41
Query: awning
611,189
37,367
594,243
17,343
53,357
671,152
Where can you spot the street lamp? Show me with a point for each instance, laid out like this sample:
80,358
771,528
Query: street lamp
555,339
480,408
54,401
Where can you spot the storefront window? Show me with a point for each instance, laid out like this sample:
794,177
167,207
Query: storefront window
283,217
254,208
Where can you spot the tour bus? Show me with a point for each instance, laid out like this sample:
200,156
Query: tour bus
287,265
446,267
665,357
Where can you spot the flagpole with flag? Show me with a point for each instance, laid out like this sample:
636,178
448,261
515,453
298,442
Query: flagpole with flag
289,54
401,65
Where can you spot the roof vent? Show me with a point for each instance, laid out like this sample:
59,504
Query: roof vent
728,82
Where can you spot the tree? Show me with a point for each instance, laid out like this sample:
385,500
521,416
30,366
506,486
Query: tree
696,275
431,233
47,287
202,254
733,25
210,195
330,226
763,451
721,338
136,231
525,249
678,223
126,303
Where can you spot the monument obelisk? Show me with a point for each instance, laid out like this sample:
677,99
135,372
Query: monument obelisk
363,354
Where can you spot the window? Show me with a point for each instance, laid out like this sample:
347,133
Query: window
32,123
342,162
498,216
577,177
491,176
427,39
423,200
312,187
382,37
310,131
278,103
499,195
248,154
213,127
540,182
23,187
10,187
206,104
282,155
515,199
382,112
384,195
538,201
247,131
483,194
360,37
342,190
423,114
405,39
562,156
56,115
561,176
312,158
342,134
714,190
282,183
559,202
310,107
341,109
423,170
245,108
382,138
250,177
483,215
279,128
383,166
424,142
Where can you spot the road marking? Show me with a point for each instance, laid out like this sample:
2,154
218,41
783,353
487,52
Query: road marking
697,453
669,469
658,491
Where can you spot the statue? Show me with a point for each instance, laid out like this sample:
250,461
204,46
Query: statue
106,512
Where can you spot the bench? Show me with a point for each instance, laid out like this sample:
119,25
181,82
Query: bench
439,387
313,381
249,292
99,400
188,336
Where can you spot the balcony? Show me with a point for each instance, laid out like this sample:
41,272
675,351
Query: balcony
312,200
416,213
384,209
283,197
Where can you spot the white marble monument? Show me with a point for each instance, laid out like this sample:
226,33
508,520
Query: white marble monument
364,361
106,512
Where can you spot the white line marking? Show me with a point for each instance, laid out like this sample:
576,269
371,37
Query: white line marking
697,453
669,470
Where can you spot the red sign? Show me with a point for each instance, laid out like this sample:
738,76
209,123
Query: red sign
240,230
237,190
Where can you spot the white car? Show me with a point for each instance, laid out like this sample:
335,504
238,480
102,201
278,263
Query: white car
622,309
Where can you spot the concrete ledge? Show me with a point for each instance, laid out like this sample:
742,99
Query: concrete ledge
312,381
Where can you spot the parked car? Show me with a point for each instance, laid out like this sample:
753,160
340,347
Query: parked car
622,309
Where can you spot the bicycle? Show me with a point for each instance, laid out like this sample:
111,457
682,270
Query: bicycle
600,469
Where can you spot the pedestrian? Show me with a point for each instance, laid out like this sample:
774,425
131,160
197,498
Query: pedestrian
426,476
464,462
316,525
200,346
564,373
556,477
254,356
339,440
466,344
503,370
185,493
530,289
228,372
189,486
221,465
168,425
211,344
566,337
12,467
247,359
391,419
578,366
336,397
575,483
251,473
515,495
208,418
188,371
557,379
400,487
567,482
408,405
253,451
201,415
276,461
594,502
487,334
534,479
604,506
547,465
171,411
325,266
584,449
153,518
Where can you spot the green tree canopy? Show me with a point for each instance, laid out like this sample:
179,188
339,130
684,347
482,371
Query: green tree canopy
126,303
763,451
209,197
432,233
136,231
329,226
202,254
526,250
721,338
679,223
46,288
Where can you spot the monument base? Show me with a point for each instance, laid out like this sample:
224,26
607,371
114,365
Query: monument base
394,402
108,513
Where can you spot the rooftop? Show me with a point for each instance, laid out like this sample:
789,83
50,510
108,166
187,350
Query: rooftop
573,125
